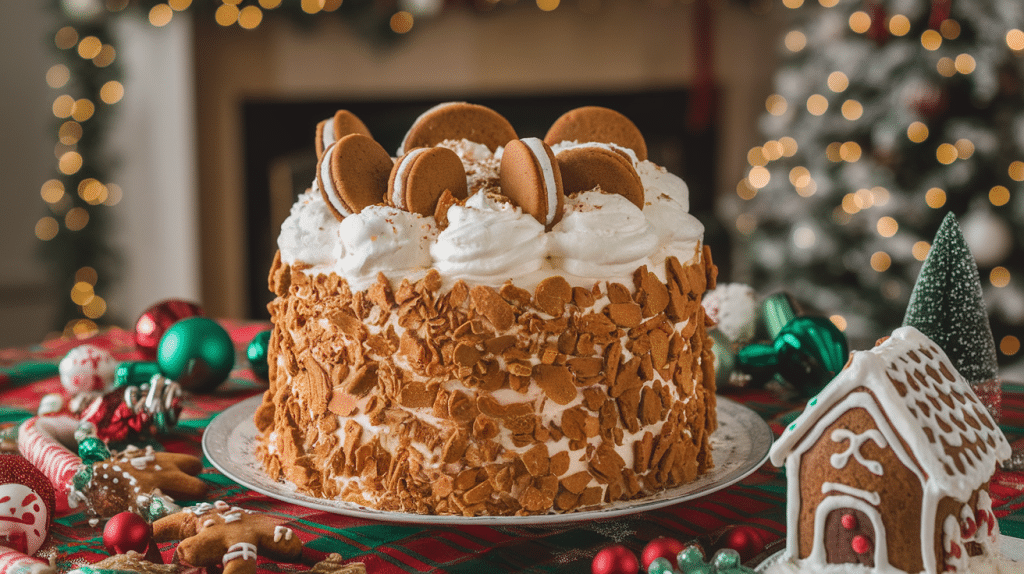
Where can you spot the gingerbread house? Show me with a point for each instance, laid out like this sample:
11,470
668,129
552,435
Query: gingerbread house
889,466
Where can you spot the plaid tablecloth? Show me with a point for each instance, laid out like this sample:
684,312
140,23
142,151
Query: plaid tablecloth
756,504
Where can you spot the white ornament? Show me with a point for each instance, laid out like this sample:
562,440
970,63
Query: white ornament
86,368
733,307
988,236
50,403
25,518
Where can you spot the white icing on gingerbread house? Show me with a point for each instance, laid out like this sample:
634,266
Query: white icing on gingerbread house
888,467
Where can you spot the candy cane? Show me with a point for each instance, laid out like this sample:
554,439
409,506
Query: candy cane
41,440
14,562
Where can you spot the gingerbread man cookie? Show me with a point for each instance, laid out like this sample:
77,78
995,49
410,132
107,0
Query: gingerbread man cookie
135,478
220,534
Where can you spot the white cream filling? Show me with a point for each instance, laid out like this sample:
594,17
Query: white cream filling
398,192
328,184
537,148
328,135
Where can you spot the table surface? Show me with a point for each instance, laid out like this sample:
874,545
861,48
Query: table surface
756,504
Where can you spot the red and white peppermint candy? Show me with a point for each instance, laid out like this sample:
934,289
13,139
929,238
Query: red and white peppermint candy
14,562
41,440
86,368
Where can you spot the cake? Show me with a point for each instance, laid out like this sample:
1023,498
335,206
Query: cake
521,335
888,468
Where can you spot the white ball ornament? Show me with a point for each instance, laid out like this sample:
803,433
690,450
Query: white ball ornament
988,236
86,368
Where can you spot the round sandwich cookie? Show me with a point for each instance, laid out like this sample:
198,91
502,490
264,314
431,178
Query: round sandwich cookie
455,121
420,176
531,178
586,167
597,124
342,123
353,174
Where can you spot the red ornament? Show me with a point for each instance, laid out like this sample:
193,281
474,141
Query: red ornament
113,418
615,559
661,547
154,321
861,544
747,541
129,531
27,494
849,521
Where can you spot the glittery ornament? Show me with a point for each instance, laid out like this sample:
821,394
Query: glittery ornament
615,559
690,560
92,449
197,353
947,305
257,354
27,494
660,565
807,353
154,322
129,531
86,368
661,547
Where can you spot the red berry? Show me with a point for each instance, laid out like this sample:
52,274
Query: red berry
849,521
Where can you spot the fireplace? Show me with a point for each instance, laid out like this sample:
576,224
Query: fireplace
280,162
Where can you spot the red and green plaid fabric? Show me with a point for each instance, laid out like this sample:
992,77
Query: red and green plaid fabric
757,503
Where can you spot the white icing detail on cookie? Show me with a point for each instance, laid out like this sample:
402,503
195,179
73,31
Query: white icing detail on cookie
537,149
328,136
398,192
240,550
857,441
871,497
328,183
282,532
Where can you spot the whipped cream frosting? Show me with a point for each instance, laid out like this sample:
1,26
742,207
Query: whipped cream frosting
602,236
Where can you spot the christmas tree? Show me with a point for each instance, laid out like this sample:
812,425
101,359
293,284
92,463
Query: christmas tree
887,114
946,305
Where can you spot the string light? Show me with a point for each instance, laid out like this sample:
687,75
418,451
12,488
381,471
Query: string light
946,67
828,3
849,204
803,237
76,219
269,4
47,228
57,76
227,14
850,152
935,198
899,25
179,5
999,196
879,195
946,153
772,150
880,261
1015,40
63,105
755,157
965,63
1016,171
87,275
964,148
887,226
311,6
832,152
931,40
745,191
776,105
837,81
795,41
950,29
758,177
789,146
251,16
860,22
82,293
69,132
83,109
112,92
839,321
999,276
1009,345
920,250
401,22
852,110
69,163
52,191
817,104
917,132
66,38
746,223
792,4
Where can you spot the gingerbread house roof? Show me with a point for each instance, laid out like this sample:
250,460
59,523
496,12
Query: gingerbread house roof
929,405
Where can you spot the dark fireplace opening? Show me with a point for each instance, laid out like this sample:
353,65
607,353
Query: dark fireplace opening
280,161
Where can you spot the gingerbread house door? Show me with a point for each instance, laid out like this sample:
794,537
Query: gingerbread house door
849,537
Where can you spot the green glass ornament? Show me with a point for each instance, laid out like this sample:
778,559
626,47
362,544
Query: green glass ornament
135,373
257,354
811,352
197,353
91,450
82,478
660,565
727,561
691,561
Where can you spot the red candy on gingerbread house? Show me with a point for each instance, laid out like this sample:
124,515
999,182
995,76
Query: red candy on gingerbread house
889,466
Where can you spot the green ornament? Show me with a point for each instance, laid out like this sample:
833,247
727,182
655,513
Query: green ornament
660,565
946,305
257,354
197,353
91,450
807,353
82,478
691,561
135,373
727,561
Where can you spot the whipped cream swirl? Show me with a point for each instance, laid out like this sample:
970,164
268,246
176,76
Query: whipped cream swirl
602,234
383,239
489,240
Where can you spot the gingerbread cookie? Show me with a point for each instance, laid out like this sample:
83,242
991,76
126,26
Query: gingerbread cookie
353,174
135,477
420,177
586,167
531,178
341,124
597,124
456,121
220,534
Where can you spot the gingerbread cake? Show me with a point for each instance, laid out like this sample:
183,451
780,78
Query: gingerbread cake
888,468
488,324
